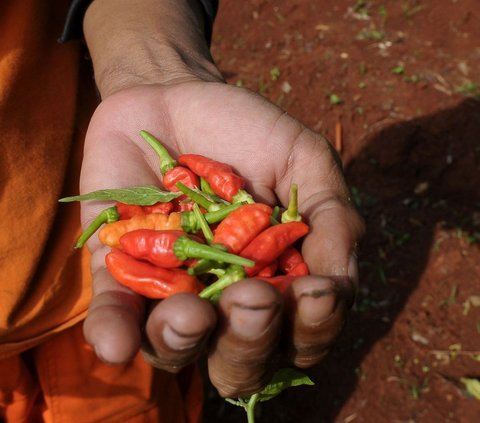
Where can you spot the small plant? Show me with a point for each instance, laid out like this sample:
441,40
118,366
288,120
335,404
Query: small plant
371,34
452,298
335,100
274,73
283,379
398,70
468,88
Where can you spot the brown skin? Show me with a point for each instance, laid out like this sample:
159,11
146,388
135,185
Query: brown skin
168,85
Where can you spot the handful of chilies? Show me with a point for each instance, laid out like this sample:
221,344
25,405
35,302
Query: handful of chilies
201,234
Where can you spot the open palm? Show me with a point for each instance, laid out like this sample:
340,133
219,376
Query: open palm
270,150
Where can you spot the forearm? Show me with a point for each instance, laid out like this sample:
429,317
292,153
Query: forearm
146,42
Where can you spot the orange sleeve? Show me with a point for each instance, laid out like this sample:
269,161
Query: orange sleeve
45,282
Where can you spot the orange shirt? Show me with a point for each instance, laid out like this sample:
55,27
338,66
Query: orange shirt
45,105
47,96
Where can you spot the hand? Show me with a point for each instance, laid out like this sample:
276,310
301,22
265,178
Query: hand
254,326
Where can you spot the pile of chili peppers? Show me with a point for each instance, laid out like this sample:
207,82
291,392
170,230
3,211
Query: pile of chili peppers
205,235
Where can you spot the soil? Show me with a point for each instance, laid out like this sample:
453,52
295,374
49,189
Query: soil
395,86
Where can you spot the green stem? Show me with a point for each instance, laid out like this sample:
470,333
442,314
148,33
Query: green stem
207,232
185,248
109,215
242,196
291,214
233,274
167,162
218,215
210,266
251,408
205,187
198,198
190,223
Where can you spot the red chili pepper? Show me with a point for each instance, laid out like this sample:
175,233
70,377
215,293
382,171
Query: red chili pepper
241,226
271,243
154,246
281,282
221,177
291,263
180,174
148,280
168,167
269,270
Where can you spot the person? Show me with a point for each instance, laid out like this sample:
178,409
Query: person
74,344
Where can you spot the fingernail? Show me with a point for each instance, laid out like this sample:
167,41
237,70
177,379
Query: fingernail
353,269
314,309
177,341
251,323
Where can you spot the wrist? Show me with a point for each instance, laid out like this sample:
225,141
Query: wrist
153,42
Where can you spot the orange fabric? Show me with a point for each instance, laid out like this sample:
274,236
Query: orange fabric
45,283
47,372
70,385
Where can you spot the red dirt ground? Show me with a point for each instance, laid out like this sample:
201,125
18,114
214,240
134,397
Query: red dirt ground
402,81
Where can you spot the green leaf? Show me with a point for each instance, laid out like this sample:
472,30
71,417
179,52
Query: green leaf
141,196
473,386
283,379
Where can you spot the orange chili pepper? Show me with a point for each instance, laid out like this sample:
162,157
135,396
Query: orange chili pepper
110,233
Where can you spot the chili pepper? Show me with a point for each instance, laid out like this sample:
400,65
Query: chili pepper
127,211
291,214
154,246
271,243
281,282
148,280
185,247
291,263
172,173
220,176
242,225
180,174
269,270
183,205
110,234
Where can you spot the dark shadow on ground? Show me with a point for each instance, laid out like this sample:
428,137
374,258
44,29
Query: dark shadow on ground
412,177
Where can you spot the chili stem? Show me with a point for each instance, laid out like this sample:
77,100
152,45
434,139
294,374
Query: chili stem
109,215
242,196
167,162
218,215
185,248
291,214
233,274
207,232
205,186
198,197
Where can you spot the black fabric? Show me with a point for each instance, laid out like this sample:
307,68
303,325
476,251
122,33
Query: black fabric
73,28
